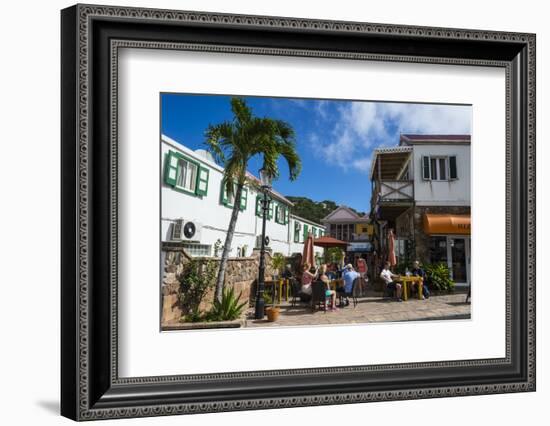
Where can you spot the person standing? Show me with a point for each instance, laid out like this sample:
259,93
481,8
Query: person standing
387,275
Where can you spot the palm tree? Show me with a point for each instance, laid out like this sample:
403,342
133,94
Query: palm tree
233,144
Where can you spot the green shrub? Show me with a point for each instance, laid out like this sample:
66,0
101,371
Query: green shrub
228,309
278,262
439,277
196,279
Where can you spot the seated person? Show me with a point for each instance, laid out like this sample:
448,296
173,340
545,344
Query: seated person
419,272
307,279
348,276
287,273
329,293
387,275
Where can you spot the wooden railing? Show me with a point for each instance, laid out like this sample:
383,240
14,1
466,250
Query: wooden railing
395,190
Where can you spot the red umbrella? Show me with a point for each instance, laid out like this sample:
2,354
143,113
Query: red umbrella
391,248
308,255
326,241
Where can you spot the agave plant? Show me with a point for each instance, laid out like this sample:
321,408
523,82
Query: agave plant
228,308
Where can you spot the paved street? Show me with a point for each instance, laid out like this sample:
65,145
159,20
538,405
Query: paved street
372,309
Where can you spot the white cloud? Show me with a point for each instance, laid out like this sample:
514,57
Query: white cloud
359,127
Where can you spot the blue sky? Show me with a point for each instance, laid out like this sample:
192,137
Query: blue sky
335,139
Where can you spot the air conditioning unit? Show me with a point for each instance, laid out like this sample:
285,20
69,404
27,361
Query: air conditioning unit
188,230
259,241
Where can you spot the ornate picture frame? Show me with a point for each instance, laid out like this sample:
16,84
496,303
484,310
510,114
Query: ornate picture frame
91,387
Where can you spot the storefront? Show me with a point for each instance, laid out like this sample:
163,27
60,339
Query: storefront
449,242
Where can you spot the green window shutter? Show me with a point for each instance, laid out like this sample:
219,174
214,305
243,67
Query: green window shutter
270,212
202,181
258,205
244,199
170,169
314,232
305,232
223,194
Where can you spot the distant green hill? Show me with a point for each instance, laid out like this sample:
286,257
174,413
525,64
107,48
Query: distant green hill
313,210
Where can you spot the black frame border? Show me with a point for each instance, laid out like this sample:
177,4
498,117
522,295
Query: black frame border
90,387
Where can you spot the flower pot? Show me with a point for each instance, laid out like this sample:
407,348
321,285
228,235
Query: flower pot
272,314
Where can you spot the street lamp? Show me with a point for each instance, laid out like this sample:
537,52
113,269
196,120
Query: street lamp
265,182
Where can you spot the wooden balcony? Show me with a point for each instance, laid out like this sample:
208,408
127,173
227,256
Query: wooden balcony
395,191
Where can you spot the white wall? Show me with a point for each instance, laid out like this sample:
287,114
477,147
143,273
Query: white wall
30,108
450,192
214,217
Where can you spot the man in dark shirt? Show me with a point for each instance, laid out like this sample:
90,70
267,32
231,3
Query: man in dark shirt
419,272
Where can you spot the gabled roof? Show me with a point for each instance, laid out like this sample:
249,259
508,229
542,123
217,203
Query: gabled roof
347,215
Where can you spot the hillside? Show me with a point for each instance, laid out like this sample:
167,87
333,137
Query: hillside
313,210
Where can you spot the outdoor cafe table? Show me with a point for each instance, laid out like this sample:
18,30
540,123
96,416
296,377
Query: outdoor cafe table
405,281
277,288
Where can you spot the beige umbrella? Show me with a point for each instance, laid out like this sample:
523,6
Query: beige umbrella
308,255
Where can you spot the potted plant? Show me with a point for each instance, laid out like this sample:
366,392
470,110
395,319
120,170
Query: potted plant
272,313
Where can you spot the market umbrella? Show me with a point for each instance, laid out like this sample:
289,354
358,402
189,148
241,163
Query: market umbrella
391,248
326,242
308,255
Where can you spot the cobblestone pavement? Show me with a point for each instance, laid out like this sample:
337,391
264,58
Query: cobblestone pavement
371,309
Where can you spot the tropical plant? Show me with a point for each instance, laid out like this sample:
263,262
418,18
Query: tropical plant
278,262
228,308
439,277
233,143
196,279
334,255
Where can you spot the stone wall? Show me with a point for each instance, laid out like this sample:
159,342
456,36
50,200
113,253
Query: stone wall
422,239
241,274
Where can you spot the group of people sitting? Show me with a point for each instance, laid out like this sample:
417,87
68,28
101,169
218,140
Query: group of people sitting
348,275
308,277
391,286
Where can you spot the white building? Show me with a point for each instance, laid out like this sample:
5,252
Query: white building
196,210
421,189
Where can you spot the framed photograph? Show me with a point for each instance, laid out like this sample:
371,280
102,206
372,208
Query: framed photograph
265,212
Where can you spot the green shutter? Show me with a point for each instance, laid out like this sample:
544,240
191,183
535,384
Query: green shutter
305,232
258,205
223,194
171,169
202,181
270,212
314,231
244,199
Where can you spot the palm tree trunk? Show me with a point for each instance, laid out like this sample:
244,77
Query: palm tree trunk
228,240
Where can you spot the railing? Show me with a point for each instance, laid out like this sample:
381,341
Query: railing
395,190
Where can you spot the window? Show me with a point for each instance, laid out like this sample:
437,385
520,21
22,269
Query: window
281,214
197,249
439,168
228,199
297,228
185,174
306,232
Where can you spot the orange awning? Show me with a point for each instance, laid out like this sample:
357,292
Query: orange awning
447,224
